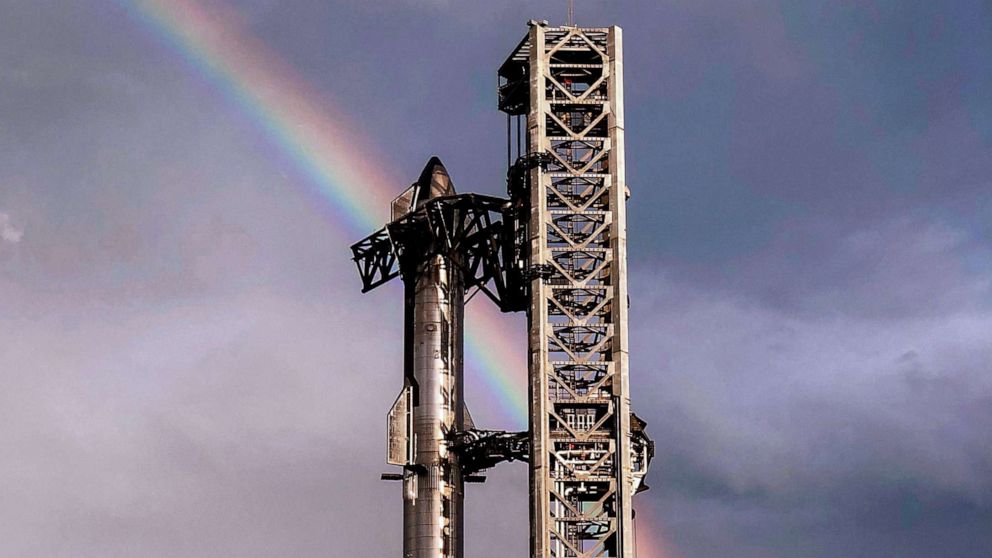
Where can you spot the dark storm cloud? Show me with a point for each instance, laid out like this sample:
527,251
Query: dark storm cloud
890,268
188,368
845,434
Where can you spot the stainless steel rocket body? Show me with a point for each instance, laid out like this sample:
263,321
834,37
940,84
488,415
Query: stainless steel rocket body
433,488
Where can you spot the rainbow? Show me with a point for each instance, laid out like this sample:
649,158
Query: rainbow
303,125
648,538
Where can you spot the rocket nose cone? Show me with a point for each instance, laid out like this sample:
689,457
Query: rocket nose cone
434,181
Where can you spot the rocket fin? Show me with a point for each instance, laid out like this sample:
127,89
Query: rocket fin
467,422
399,426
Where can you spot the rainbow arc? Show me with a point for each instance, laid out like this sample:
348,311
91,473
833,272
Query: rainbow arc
302,124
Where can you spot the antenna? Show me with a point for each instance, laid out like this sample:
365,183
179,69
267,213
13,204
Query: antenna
571,13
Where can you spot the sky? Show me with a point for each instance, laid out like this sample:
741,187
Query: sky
189,369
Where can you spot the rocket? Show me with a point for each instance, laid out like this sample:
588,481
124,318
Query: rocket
441,244
430,406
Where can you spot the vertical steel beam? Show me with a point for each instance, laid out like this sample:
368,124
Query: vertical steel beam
618,271
537,315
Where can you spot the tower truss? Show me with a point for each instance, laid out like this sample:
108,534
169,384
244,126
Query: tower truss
562,88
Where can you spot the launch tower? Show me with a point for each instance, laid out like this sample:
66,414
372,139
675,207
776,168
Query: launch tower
556,248
562,91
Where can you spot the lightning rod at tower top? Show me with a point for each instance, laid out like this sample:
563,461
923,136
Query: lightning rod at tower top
556,248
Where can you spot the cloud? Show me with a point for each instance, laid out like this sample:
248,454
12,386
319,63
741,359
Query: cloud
189,368
855,431
175,416
889,267
8,232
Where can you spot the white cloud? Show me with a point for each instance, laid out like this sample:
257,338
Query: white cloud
8,232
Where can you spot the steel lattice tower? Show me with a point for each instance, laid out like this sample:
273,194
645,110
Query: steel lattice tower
565,85
556,248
